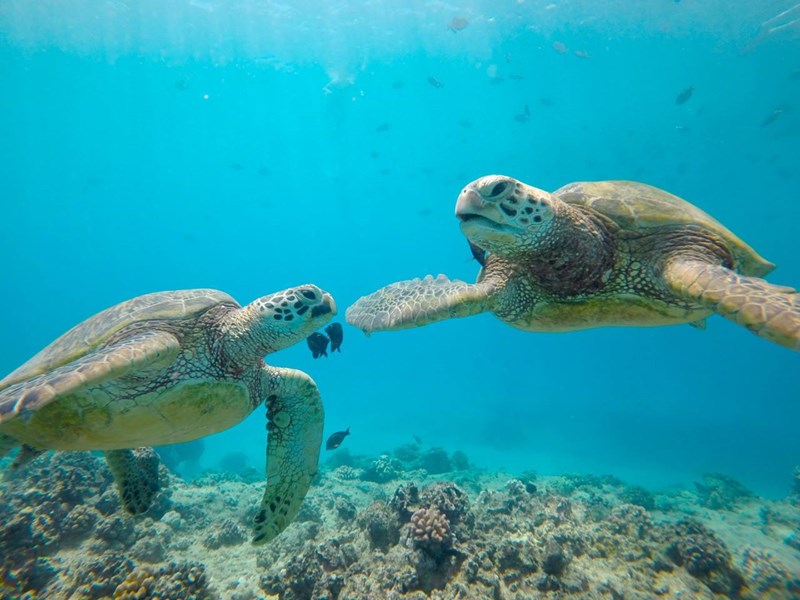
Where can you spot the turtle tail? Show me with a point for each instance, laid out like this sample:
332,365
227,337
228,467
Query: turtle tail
768,310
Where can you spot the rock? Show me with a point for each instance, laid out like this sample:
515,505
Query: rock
436,461
381,525
555,560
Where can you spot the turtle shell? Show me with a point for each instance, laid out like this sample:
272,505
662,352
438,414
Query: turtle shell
636,206
94,331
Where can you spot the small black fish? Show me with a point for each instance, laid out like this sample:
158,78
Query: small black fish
336,439
336,335
685,95
318,344
772,117
478,254
435,82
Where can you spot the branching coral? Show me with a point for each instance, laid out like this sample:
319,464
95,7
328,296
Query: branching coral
429,529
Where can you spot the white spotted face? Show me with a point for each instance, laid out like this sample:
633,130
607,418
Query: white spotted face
286,317
503,215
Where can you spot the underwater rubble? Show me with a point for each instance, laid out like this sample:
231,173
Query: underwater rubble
413,523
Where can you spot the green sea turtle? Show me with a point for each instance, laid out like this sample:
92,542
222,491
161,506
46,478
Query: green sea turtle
592,254
170,367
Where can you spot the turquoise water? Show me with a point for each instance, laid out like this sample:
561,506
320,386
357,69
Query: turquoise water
255,146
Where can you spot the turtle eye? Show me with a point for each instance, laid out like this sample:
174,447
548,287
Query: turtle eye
498,189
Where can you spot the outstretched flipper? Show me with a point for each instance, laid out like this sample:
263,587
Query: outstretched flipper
136,475
770,311
131,354
295,421
419,302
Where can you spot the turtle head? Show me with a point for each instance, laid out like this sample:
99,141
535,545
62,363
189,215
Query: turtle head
504,216
277,321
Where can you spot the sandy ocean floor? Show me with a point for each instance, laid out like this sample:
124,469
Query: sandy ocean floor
415,523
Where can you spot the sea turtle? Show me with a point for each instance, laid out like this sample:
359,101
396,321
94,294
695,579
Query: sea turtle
170,367
592,254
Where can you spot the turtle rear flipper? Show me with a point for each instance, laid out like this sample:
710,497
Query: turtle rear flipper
295,420
418,302
138,352
136,475
770,311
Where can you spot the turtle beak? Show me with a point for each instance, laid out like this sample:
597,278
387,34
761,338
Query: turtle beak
471,206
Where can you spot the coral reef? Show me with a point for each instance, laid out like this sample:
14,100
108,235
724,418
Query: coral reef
227,534
175,581
408,453
693,546
718,491
384,469
96,578
436,461
634,494
381,524
429,530
64,534
765,574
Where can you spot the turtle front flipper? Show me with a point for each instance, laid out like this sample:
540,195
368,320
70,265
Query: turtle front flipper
770,311
295,420
136,475
419,302
138,352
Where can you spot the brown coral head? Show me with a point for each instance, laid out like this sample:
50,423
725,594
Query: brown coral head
429,525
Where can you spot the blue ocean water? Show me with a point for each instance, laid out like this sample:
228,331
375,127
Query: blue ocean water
252,146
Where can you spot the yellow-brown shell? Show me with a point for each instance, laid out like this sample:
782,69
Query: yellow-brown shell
94,331
636,206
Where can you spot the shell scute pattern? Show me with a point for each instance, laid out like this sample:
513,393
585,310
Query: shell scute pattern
100,328
638,207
